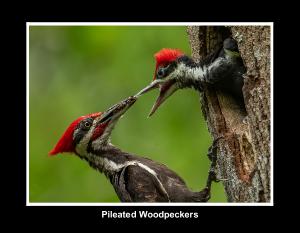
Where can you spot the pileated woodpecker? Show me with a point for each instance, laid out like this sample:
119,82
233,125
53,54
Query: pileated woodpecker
222,69
134,178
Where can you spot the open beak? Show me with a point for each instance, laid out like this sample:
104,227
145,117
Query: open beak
153,85
117,110
166,89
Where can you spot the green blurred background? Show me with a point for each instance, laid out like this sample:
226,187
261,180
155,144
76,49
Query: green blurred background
77,70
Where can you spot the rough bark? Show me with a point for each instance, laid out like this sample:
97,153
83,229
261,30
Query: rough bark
244,152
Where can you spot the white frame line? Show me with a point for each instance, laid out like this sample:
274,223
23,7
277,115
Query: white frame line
28,24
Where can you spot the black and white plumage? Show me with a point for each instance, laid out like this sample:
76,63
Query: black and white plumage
223,70
134,178
138,179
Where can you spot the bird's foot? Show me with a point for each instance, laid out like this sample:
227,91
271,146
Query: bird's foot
205,194
212,155
212,150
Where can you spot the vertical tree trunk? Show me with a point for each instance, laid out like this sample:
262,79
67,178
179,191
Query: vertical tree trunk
244,152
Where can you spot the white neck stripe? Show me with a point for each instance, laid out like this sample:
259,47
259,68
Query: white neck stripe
111,166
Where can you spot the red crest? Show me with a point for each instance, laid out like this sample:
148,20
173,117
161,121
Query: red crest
165,56
65,143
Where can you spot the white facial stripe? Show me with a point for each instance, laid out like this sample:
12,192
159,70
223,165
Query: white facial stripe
179,71
81,147
184,71
98,143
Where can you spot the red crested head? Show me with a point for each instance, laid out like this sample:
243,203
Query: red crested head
165,56
66,143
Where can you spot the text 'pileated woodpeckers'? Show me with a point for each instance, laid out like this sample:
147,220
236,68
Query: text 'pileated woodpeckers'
147,214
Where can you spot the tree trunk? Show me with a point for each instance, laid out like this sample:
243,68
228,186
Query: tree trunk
244,152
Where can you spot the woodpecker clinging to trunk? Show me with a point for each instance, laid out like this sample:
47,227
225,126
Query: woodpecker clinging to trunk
134,178
222,70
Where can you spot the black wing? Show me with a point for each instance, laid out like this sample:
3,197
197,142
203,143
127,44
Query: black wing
142,186
118,181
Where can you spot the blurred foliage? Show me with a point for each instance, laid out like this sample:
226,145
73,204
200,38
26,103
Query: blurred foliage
78,70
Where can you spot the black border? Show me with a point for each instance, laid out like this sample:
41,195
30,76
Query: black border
91,214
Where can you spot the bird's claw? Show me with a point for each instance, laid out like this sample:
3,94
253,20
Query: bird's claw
205,193
212,149
212,155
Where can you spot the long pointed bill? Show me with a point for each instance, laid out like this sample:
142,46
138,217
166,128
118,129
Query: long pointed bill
105,123
117,110
153,85
166,90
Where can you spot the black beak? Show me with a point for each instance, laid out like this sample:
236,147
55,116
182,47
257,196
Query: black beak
117,110
166,89
153,85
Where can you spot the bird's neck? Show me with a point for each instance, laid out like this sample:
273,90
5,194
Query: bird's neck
191,74
108,160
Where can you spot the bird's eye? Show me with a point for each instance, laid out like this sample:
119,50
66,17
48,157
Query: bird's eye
86,124
160,73
164,71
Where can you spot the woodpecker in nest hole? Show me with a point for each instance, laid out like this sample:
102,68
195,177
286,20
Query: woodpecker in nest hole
134,178
222,70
